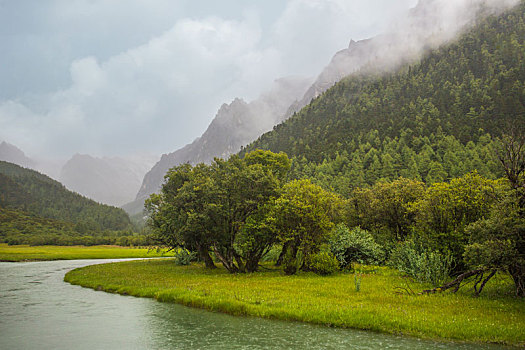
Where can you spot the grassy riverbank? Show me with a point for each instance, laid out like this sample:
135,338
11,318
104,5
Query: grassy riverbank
28,253
495,317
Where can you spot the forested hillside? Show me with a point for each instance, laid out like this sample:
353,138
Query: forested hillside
431,121
32,204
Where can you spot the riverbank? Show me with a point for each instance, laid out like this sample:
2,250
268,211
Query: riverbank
494,317
37,253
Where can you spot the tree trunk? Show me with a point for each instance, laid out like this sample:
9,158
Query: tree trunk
227,262
205,256
455,283
518,275
282,254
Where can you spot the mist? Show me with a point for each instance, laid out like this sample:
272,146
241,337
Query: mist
80,79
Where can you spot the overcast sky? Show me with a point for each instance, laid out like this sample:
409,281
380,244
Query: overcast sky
118,77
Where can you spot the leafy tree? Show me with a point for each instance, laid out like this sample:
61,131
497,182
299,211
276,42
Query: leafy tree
446,208
386,207
176,215
239,190
304,214
220,207
498,242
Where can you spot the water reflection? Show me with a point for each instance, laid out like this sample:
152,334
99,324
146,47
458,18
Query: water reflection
39,311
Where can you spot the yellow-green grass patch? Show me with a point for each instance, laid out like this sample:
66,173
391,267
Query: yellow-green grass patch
28,253
494,317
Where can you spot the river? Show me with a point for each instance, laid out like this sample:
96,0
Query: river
38,310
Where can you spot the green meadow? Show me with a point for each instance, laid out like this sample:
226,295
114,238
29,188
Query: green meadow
29,253
385,302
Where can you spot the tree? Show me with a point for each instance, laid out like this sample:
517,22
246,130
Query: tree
240,188
511,154
176,215
304,215
498,243
386,207
446,208
216,207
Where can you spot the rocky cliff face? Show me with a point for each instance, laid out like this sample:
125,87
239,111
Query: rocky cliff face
112,181
235,125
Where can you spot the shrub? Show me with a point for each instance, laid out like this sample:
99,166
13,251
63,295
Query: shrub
355,246
184,257
323,263
423,264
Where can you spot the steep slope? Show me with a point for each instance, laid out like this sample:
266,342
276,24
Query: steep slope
236,124
427,26
40,196
436,118
113,181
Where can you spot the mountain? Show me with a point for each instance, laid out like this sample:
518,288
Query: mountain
427,26
432,120
109,180
12,154
430,24
37,194
236,124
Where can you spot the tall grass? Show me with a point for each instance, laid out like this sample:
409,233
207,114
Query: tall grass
28,253
495,317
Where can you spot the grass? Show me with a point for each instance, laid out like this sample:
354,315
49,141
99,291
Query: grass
28,253
494,317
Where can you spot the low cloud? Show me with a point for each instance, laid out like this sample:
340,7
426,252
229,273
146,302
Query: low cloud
161,94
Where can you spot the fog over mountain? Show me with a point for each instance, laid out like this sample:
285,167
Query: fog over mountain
108,180
236,124
428,25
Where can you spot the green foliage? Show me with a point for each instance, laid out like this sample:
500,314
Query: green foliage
423,264
184,257
323,263
498,242
18,227
386,207
354,246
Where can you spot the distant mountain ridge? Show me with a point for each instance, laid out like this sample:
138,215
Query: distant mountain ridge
109,180
12,154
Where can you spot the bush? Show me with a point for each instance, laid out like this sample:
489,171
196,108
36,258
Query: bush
355,246
421,263
184,257
323,263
